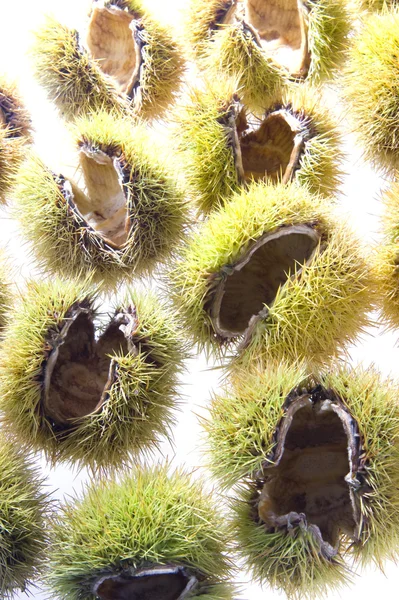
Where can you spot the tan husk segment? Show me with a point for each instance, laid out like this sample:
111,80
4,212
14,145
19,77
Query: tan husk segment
112,40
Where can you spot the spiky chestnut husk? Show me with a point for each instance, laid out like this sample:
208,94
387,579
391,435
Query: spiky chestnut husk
23,509
15,135
371,90
129,218
316,461
132,65
151,520
277,270
82,400
386,258
226,146
229,38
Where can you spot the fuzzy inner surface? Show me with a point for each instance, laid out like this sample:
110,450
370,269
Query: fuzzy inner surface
105,205
282,30
79,374
111,41
271,148
164,586
256,278
309,477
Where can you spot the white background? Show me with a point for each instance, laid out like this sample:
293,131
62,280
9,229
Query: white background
360,201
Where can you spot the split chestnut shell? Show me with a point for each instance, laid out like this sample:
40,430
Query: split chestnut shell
317,463
130,64
275,270
265,43
153,535
83,390
127,216
226,146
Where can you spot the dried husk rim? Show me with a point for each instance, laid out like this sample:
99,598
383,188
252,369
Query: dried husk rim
126,217
157,583
85,390
15,135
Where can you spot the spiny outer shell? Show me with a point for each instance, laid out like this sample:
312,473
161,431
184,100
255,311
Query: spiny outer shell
149,518
163,66
141,402
370,88
316,314
232,51
386,259
23,508
72,80
203,135
76,84
200,23
157,210
240,430
14,137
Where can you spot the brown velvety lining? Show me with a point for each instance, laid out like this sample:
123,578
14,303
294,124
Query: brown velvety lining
79,373
281,26
112,41
155,584
270,149
310,480
253,281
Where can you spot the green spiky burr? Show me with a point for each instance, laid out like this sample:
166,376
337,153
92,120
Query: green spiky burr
225,146
264,44
370,88
153,535
315,459
129,64
23,508
276,271
84,389
15,135
126,218
386,258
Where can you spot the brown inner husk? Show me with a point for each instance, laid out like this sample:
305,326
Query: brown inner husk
155,586
315,452
281,26
105,205
255,279
111,41
79,371
270,149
